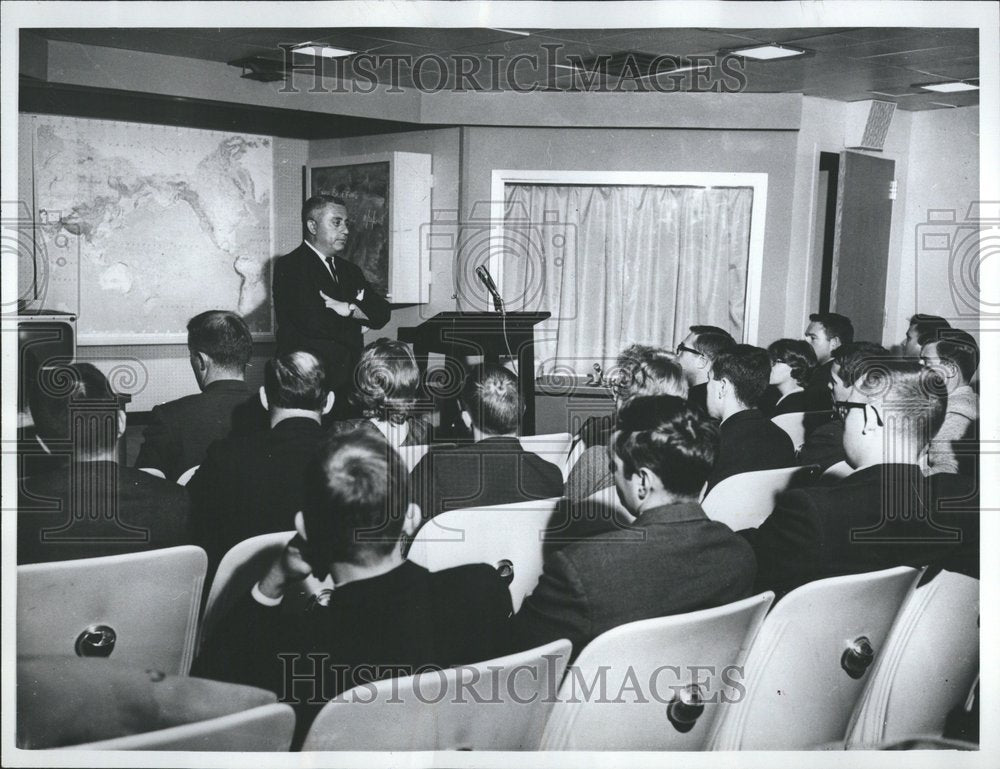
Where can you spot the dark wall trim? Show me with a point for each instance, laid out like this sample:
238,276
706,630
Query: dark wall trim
110,104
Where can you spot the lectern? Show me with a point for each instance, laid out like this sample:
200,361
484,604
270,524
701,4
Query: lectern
459,334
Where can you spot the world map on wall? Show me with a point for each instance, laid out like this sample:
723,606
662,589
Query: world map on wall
140,227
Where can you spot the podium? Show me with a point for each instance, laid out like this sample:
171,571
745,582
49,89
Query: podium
459,334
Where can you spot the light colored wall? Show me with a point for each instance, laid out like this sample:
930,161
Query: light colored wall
770,152
943,176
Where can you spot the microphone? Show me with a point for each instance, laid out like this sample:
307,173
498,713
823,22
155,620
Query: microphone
484,275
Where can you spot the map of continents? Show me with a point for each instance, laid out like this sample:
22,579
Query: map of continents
144,226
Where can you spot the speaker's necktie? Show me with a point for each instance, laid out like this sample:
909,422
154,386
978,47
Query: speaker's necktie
333,270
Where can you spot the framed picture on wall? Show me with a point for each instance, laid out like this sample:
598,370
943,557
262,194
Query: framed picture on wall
387,197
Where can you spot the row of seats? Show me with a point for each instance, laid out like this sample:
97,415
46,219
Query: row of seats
848,662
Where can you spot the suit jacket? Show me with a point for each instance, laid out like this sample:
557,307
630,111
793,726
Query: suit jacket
305,323
824,445
857,525
493,471
386,626
698,396
670,561
818,389
419,433
749,442
799,402
252,485
139,512
180,432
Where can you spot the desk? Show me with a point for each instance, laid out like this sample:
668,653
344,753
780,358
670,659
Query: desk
562,404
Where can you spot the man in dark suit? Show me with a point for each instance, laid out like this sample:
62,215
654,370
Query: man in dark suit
495,470
826,332
179,433
885,514
387,616
671,560
322,303
695,356
90,506
748,441
253,485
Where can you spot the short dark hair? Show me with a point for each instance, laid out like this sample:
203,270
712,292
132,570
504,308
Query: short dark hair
295,380
493,399
929,327
223,336
798,354
910,393
317,203
857,358
355,500
748,369
386,380
959,348
675,440
835,325
712,341
54,393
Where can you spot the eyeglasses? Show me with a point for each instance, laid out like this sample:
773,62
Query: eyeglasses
684,348
844,408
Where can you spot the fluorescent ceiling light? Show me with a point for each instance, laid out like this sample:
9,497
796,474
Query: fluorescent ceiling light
319,49
952,87
767,52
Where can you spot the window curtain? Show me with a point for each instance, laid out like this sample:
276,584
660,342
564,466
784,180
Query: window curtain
622,264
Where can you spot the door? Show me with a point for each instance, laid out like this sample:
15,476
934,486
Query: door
861,243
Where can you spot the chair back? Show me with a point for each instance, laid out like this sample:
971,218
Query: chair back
154,471
552,447
138,609
837,471
615,695
514,533
499,704
929,663
807,668
240,569
745,501
264,728
187,475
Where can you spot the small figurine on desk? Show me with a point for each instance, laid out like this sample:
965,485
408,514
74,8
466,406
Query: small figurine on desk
597,378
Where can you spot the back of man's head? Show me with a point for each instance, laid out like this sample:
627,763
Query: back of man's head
492,399
356,497
855,358
224,337
712,341
912,398
835,325
959,348
59,390
928,328
295,380
674,440
747,369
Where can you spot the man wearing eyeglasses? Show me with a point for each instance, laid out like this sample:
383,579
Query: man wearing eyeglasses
886,513
695,355
322,302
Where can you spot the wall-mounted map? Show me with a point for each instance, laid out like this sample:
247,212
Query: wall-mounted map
365,190
138,227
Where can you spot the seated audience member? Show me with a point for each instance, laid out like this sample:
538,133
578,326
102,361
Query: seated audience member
654,374
792,362
90,506
824,444
387,617
825,332
671,560
596,430
695,356
386,386
748,441
495,469
885,514
219,349
923,329
252,484
955,358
